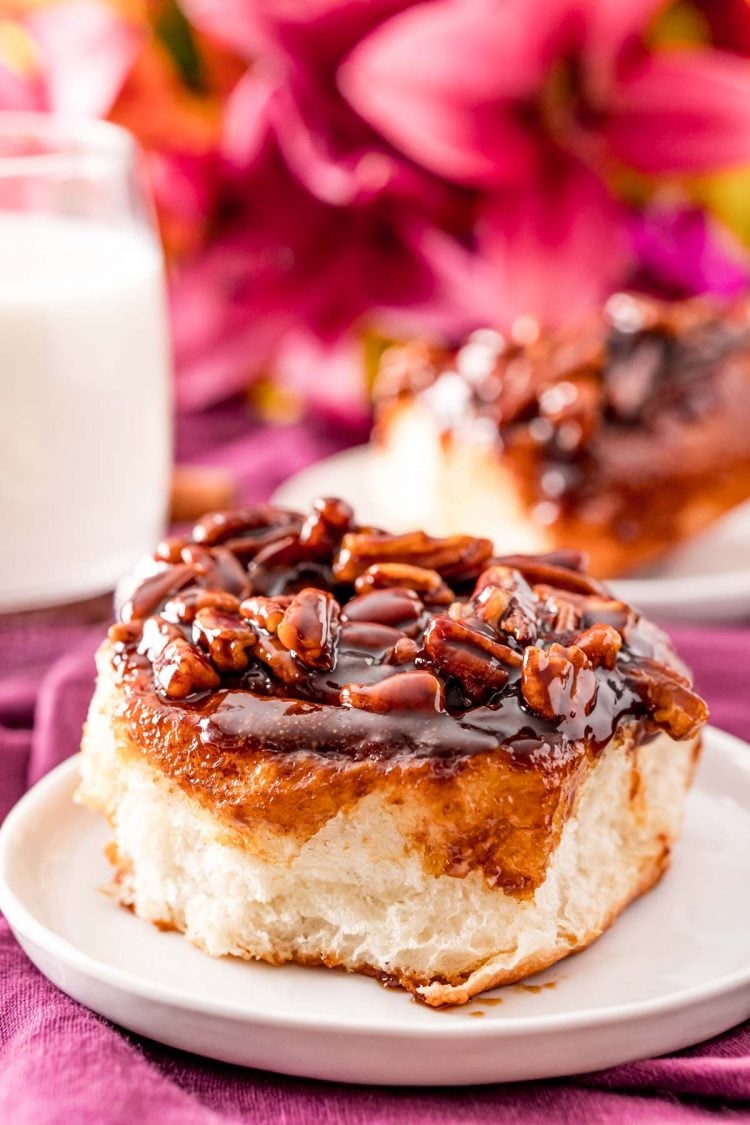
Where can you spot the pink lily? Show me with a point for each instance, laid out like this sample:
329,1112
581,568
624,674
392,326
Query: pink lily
85,51
539,103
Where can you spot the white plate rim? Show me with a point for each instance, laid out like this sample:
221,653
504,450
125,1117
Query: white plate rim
676,591
23,922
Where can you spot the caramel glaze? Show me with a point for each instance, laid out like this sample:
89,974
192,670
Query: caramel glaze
594,427
280,668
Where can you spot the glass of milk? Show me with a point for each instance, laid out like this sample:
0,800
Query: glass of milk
85,442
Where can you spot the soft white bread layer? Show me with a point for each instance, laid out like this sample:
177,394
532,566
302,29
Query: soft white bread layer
356,894
449,484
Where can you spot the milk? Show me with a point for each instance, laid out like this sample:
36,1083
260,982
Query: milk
84,400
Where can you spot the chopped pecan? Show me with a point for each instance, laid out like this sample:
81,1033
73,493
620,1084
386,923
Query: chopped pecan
227,639
253,523
425,582
122,634
402,692
676,708
368,637
217,568
146,594
184,606
491,605
558,682
601,643
458,556
271,652
156,634
403,652
593,609
309,628
566,617
326,525
478,663
398,607
265,612
181,670
537,571
170,549
520,617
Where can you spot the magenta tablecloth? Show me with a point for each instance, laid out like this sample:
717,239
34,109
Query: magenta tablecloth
60,1063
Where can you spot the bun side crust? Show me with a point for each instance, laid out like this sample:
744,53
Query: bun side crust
258,885
404,756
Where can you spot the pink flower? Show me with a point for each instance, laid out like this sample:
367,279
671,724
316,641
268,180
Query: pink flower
287,264
296,49
681,252
84,52
539,103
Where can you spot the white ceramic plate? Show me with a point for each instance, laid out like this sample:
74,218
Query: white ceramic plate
706,580
674,970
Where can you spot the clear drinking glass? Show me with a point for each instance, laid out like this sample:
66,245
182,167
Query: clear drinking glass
85,450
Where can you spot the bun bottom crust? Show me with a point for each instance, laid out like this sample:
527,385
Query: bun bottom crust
356,894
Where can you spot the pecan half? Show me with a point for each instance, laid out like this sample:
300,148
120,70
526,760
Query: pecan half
537,571
398,607
265,612
558,682
601,643
458,556
420,579
327,523
181,670
217,568
593,609
403,652
219,527
676,708
146,595
403,692
478,663
228,640
183,607
156,634
520,617
309,628
271,652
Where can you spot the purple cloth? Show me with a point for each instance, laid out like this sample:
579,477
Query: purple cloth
60,1063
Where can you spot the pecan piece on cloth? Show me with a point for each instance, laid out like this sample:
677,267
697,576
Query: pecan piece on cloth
402,692
309,628
181,670
558,682
228,639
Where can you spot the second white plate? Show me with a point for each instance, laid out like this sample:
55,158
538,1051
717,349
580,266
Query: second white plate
674,970
707,579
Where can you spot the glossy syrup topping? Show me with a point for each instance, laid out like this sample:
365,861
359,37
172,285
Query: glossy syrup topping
290,632
644,358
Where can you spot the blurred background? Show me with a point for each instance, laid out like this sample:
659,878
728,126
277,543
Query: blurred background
333,175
